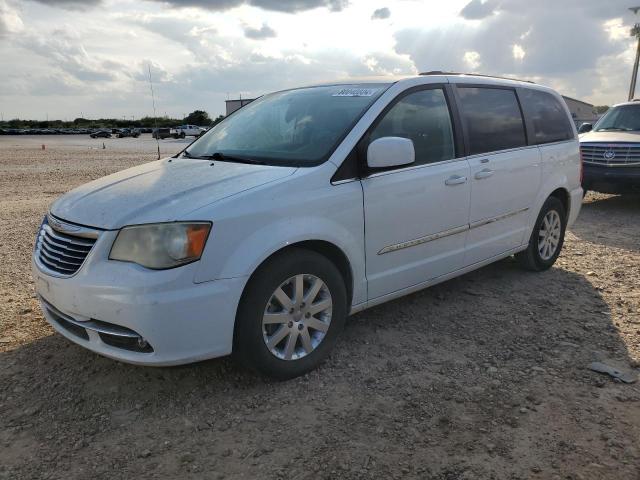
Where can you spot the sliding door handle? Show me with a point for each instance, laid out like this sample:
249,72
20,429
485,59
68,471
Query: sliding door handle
485,173
455,180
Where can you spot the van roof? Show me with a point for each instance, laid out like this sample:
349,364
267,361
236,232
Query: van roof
635,101
495,79
446,77
451,74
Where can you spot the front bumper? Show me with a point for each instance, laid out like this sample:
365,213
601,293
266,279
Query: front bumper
615,180
180,321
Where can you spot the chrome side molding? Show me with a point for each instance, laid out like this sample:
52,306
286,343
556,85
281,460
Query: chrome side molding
447,233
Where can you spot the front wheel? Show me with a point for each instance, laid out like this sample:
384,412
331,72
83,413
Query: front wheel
547,237
290,314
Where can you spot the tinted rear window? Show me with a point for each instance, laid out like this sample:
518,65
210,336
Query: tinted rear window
547,115
492,118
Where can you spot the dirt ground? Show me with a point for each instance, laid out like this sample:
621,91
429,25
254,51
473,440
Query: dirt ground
481,377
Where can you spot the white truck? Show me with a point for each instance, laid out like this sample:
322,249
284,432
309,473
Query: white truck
187,130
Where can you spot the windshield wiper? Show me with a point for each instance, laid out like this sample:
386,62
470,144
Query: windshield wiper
223,157
615,129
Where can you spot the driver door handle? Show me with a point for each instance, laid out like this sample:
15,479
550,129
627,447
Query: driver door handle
485,173
455,180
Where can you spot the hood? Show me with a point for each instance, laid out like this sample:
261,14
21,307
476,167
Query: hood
610,137
160,191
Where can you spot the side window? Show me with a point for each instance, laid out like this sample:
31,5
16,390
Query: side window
547,115
423,117
492,118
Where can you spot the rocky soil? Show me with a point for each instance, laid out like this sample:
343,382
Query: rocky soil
482,377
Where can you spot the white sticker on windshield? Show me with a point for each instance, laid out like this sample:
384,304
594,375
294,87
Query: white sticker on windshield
356,92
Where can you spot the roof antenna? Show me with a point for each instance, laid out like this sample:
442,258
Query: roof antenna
155,116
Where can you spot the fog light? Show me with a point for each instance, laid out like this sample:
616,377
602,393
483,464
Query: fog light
142,343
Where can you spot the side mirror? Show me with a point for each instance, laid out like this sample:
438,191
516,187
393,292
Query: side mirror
585,127
390,152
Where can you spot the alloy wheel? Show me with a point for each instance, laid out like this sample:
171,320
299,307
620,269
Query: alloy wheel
297,317
549,235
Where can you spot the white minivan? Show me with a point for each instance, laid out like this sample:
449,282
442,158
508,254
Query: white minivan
303,207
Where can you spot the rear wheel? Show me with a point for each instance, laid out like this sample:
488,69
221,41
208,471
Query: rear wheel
290,314
547,237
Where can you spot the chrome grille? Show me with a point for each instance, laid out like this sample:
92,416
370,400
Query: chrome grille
611,154
60,252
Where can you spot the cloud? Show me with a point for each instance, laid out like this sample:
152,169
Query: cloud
71,4
10,21
543,38
381,13
571,45
194,35
64,50
478,9
259,33
286,6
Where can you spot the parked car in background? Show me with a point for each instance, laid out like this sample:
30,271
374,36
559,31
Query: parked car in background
128,132
161,133
101,134
305,206
611,151
187,131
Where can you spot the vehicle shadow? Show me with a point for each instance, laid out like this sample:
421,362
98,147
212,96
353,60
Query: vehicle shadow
620,214
484,376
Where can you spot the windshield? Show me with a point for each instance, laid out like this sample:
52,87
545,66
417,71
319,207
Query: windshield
623,118
298,127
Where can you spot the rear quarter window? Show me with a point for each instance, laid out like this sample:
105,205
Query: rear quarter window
547,116
492,118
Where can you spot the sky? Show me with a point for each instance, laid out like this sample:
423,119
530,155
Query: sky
70,58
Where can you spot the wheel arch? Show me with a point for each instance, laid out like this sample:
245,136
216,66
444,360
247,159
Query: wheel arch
562,194
327,249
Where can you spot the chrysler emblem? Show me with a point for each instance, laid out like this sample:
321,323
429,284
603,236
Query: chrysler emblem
54,223
609,154
61,226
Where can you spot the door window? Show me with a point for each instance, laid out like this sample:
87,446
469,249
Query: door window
548,116
492,118
424,118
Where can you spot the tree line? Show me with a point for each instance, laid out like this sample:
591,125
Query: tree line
197,117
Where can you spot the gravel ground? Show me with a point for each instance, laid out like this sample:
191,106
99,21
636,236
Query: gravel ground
484,376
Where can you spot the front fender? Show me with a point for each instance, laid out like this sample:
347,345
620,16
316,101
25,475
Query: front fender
248,230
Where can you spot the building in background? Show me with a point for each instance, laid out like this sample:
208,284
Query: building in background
233,105
582,112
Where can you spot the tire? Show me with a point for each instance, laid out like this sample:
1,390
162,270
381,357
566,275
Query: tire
182,135
538,257
259,300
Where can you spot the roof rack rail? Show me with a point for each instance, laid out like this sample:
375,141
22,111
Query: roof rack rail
438,72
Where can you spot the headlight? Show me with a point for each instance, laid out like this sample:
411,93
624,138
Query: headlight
161,245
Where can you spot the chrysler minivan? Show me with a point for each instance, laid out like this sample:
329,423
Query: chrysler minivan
306,206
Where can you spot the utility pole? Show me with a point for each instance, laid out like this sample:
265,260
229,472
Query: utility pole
635,32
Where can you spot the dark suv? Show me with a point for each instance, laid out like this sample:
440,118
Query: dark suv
611,151
161,133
